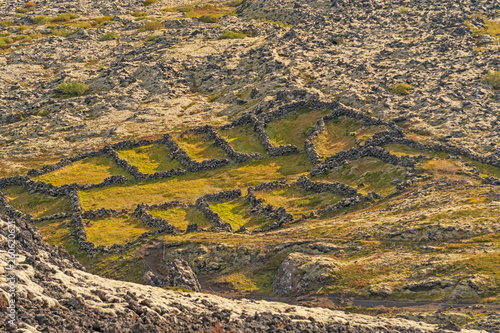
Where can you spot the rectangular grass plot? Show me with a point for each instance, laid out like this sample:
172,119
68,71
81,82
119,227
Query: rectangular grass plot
150,159
237,213
298,201
181,217
114,230
292,128
367,174
200,147
91,170
243,139
36,204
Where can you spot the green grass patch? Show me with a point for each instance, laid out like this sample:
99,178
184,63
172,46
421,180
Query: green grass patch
401,89
492,79
114,230
372,172
5,41
151,38
200,147
189,187
403,150
484,169
64,17
298,201
237,213
55,232
238,281
72,89
491,28
92,170
149,2
108,36
36,204
138,14
243,139
292,128
337,136
229,34
150,159
41,19
181,217
209,18
151,26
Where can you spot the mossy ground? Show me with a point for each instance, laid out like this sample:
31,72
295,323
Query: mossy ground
92,170
374,174
200,147
292,128
150,159
243,139
237,213
298,201
114,230
36,204
181,217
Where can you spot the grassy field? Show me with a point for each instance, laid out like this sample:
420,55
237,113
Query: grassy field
292,128
181,217
150,159
337,136
200,147
92,170
237,213
114,230
36,204
298,201
189,187
372,172
243,139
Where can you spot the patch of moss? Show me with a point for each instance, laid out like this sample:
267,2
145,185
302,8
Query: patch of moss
36,204
114,230
401,88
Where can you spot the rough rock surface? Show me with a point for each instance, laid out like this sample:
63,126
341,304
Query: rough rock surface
300,273
54,294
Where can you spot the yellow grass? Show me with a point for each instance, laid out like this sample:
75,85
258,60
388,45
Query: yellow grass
114,230
150,159
181,217
243,139
36,204
199,147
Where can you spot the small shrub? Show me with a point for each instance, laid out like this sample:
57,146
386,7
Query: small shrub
40,19
229,34
64,17
7,23
4,41
80,24
138,14
73,89
63,33
401,88
103,19
149,2
209,18
35,35
4,34
151,38
24,38
185,9
108,36
30,4
151,26
22,10
404,9
492,79
23,27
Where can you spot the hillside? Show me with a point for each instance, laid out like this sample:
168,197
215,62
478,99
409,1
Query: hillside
308,152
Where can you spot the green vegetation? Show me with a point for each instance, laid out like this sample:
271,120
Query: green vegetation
237,281
149,2
229,34
63,33
64,17
243,139
372,172
4,41
237,213
35,204
150,159
209,18
72,89
337,136
103,19
200,147
404,9
151,38
24,38
91,170
181,217
491,28
151,26
492,79
114,230
280,23
138,14
292,128
298,201
190,186
108,36
401,89
41,19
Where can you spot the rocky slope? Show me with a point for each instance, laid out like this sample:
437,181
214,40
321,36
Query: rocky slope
54,294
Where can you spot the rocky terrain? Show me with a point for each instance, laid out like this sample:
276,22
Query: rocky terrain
306,152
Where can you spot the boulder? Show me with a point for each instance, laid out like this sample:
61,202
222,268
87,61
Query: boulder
300,273
177,273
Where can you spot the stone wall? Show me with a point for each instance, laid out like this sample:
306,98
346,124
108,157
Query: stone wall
162,225
327,187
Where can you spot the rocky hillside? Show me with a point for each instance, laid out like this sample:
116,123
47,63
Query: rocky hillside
54,294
